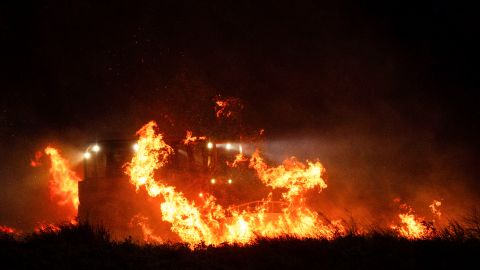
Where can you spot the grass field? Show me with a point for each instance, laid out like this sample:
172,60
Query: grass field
85,247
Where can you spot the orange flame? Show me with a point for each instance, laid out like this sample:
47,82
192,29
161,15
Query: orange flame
209,222
63,181
413,227
148,235
190,139
7,230
434,208
226,107
151,154
36,162
44,227
239,158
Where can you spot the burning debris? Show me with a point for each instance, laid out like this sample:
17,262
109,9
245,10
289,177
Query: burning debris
227,107
191,139
434,208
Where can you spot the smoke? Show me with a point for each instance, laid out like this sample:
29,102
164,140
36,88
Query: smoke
382,105
365,173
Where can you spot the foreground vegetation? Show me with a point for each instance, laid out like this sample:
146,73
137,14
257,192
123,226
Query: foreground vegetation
82,246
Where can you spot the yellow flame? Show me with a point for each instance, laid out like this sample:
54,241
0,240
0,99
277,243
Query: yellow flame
63,181
209,222
412,226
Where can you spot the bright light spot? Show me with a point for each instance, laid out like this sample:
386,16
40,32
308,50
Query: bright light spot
213,181
209,145
240,148
96,148
200,195
228,146
135,147
87,155
230,181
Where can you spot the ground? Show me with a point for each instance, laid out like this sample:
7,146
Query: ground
82,247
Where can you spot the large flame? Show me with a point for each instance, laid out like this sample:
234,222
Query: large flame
211,223
63,181
412,226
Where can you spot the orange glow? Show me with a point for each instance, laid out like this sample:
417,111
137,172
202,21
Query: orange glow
148,235
43,227
412,226
209,222
227,107
7,230
36,162
151,154
63,182
220,109
434,208
190,139
239,158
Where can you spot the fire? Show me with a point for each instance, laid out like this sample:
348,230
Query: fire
151,154
293,175
434,208
412,226
220,109
46,227
36,162
209,222
190,139
7,230
148,235
239,158
63,181
227,107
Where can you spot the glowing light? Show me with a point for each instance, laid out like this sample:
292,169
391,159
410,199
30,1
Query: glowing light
411,226
228,146
209,145
230,181
7,230
96,148
191,139
240,148
135,147
63,182
208,222
87,155
434,208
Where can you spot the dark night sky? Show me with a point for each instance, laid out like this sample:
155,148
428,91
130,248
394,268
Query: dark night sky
383,93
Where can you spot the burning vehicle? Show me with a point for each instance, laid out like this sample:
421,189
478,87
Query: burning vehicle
200,190
197,166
